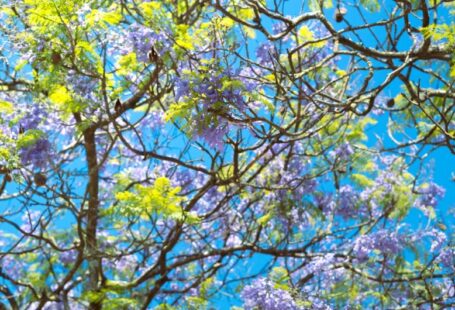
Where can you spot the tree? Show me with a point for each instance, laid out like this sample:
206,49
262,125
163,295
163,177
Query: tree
167,154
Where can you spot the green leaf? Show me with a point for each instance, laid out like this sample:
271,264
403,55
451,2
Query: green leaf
60,95
150,8
92,296
164,307
280,276
195,302
6,107
29,138
371,5
362,180
183,38
120,303
160,198
263,220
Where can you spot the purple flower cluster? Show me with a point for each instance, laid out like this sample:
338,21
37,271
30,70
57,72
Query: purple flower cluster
321,268
289,177
214,91
12,266
57,305
33,118
141,39
39,153
266,53
30,220
82,85
447,257
280,27
382,240
214,132
325,202
437,237
68,257
429,195
379,192
342,152
262,294
348,201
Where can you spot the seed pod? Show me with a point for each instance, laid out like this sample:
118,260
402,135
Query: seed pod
390,103
4,170
118,106
153,55
56,58
8,178
339,14
40,179
342,170
441,226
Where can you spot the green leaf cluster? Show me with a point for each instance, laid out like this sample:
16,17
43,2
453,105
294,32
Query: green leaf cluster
160,198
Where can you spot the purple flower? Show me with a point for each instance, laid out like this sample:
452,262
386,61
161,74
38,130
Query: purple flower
343,151
347,202
429,195
262,294
154,119
68,257
437,237
214,134
38,154
447,257
279,27
321,264
383,240
233,241
30,220
83,86
182,88
417,40
265,53
33,118
141,40
215,91
248,78
324,202
12,266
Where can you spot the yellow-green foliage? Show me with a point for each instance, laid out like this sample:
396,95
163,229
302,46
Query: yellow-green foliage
29,138
6,107
63,99
160,198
